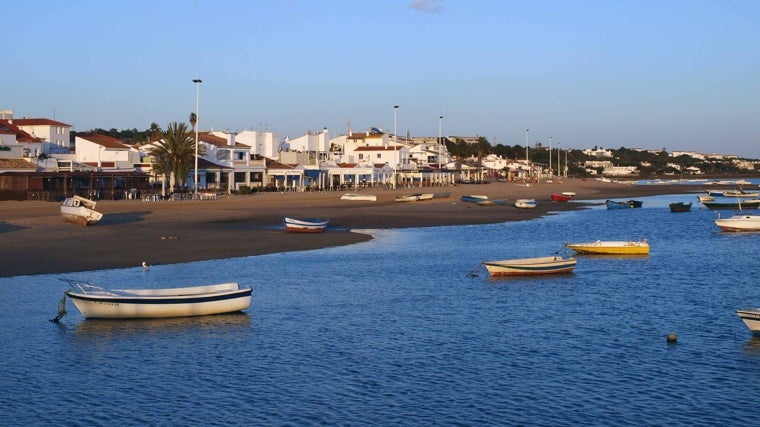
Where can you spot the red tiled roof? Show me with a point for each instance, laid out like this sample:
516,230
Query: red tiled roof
104,140
37,122
21,136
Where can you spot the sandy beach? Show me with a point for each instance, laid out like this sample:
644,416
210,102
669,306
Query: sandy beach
34,239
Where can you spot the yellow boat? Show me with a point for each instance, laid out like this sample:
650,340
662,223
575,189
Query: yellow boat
611,247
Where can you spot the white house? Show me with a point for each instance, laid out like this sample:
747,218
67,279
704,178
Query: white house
105,152
56,133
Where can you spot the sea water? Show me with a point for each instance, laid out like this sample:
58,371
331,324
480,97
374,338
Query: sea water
408,329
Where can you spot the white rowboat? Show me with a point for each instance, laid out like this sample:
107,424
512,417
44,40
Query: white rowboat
530,266
95,302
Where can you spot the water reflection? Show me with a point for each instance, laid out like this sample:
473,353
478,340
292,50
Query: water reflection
123,327
752,346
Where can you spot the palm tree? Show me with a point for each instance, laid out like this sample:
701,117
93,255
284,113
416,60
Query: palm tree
175,153
193,120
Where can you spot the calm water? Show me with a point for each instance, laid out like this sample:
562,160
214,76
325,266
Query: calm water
397,332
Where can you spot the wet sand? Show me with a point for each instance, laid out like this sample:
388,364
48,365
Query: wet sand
34,239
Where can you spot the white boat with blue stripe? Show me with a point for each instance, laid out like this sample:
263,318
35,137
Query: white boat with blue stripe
530,266
99,303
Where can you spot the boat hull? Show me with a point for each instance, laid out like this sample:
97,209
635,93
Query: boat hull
611,248
561,197
530,266
359,197
473,198
738,223
525,203
293,225
162,303
747,204
751,318
680,207
80,210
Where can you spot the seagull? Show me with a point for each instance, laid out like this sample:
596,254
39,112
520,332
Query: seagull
145,265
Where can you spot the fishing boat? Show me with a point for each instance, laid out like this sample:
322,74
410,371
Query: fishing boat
706,198
80,210
640,247
311,225
611,204
473,198
525,203
530,266
680,207
738,205
741,194
635,203
751,318
491,202
415,197
359,197
561,197
96,302
739,223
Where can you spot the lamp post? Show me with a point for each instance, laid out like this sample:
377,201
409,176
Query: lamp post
550,157
395,142
197,120
440,142
526,148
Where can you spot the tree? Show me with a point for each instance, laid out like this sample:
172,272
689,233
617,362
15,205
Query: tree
193,120
175,153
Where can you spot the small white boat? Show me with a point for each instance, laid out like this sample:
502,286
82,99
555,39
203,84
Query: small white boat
415,197
706,198
312,225
751,318
360,197
611,247
95,302
525,203
80,210
740,194
739,223
474,198
530,266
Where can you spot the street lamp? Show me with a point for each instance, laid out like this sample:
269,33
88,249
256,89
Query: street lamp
197,117
440,142
395,142
550,157
526,147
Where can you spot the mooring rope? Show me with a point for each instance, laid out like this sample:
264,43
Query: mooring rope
61,309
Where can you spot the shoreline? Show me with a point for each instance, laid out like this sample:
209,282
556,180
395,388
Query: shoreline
35,240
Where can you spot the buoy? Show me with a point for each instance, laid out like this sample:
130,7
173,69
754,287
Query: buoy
672,338
145,265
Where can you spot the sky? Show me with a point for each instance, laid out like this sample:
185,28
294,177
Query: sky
683,75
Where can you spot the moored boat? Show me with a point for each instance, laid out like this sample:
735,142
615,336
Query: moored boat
96,302
525,203
530,266
738,205
415,197
491,202
80,210
600,247
751,318
680,207
612,204
739,223
473,198
311,225
359,197
561,197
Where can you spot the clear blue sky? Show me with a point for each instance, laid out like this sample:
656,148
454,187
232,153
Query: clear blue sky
678,74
